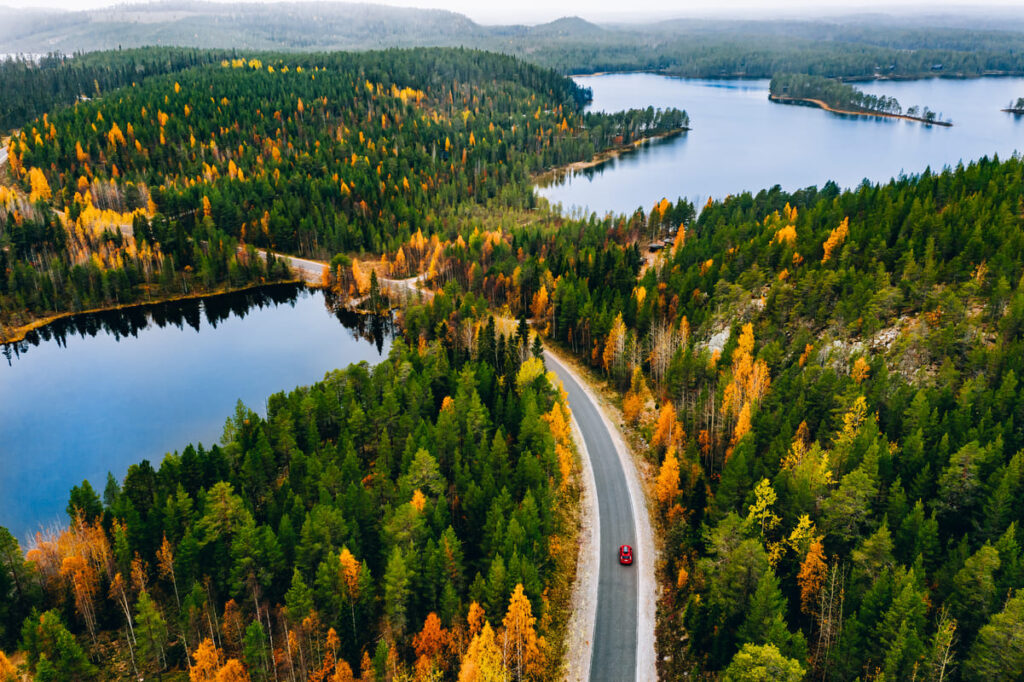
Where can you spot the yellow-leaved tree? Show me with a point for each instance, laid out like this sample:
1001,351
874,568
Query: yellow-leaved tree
835,239
8,673
520,640
614,344
40,186
350,569
475,619
761,512
431,642
668,479
482,661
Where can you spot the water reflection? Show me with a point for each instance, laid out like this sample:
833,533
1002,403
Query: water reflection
97,392
129,322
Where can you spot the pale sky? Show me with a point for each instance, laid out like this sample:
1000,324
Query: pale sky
533,11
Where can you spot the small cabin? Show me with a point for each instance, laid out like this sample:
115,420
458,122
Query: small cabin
654,247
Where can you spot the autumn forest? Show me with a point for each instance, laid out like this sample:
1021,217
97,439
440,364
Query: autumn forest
821,388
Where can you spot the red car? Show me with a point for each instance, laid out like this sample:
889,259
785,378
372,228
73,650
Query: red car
625,555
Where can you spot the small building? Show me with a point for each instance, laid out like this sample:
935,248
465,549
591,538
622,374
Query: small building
654,247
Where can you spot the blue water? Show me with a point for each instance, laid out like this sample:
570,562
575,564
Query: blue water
100,392
741,141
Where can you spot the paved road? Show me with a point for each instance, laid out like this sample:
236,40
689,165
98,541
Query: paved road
614,655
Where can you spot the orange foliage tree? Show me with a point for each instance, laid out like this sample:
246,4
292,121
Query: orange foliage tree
431,641
811,577
835,239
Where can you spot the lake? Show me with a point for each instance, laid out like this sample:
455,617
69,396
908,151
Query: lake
741,141
98,392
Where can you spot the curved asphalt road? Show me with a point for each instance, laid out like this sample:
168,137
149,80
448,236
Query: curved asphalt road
614,653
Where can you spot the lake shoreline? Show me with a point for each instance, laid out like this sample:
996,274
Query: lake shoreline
807,101
10,335
544,178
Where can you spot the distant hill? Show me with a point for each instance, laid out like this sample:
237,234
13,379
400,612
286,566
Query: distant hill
302,26
567,27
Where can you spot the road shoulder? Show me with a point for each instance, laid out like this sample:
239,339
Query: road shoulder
588,566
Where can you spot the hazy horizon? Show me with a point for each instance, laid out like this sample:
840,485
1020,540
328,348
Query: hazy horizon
536,11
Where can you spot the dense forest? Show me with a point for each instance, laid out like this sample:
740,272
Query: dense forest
165,187
38,86
405,521
827,382
731,52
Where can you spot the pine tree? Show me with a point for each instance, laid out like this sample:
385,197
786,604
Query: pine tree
151,633
998,651
299,598
397,583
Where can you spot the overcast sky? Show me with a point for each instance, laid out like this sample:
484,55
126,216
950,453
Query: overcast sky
529,11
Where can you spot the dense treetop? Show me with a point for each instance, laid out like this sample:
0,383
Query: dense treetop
828,383
403,517
161,186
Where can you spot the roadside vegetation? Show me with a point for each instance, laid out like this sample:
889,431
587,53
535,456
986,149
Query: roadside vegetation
827,384
405,521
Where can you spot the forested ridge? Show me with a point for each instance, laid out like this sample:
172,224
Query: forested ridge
165,186
958,43
405,521
827,382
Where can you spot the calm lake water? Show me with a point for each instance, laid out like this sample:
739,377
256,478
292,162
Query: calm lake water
741,141
96,393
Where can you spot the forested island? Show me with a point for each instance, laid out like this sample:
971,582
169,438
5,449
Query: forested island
1015,107
165,188
842,98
